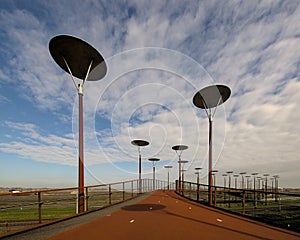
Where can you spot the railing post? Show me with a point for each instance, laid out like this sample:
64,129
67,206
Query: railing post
40,207
215,197
123,191
86,205
244,202
229,197
109,194
190,190
198,192
131,188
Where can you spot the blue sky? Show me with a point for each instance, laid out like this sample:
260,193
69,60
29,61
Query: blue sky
159,54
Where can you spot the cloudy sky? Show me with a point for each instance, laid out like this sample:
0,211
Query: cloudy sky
158,54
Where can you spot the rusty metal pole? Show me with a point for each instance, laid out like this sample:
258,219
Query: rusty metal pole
179,176
140,172
109,194
244,202
210,161
40,207
198,187
123,191
153,187
81,155
86,199
168,180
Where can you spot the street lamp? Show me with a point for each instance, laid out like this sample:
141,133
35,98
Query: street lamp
276,177
153,160
197,172
243,181
229,185
266,187
235,184
235,180
214,177
179,149
84,62
214,184
254,189
266,181
272,186
182,162
168,167
208,98
224,175
140,143
229,178
248,181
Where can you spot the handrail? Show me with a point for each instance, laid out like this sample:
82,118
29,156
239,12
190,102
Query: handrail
38,204
274,207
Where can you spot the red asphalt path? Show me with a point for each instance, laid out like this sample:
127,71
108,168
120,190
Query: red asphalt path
165,215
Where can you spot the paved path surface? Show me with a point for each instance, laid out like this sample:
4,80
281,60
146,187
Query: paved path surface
165,215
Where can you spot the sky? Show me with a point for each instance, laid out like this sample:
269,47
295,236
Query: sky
158,55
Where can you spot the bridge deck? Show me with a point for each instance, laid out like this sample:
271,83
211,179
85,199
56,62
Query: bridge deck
165,215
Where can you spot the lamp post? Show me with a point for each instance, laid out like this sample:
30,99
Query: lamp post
258,182
254,189
276,177
179,149
153,160
258,179
84,62
266,187
235,184
235,180
214,178
182,162
229,186
243,181
168,167
272,187
197,169
248,181
183,171
229,178
208,98
140,143
224,179
214,185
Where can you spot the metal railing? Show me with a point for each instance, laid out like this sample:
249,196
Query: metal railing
23,209
273,207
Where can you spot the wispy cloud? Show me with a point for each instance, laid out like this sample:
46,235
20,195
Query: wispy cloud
155,53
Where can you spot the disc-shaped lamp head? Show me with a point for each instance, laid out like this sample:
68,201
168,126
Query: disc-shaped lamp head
211,96
154,159
179,147
78,54
139,143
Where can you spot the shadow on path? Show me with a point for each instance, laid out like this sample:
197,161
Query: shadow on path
143,207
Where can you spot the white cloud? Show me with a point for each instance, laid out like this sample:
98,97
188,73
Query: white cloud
250,46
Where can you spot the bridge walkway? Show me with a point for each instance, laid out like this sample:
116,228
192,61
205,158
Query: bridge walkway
165,215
